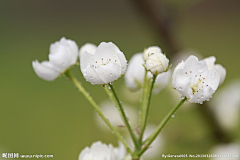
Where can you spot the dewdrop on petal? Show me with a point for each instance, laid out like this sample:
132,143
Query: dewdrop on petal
62,55
106,65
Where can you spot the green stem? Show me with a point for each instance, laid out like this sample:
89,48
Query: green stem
160,127
89,98
110,95
145,106
125,119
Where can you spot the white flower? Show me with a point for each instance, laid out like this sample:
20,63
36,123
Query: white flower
226,103
89,47
62,55
211,63
106,65
156,61
112,114
194,80
227,150
100,151
134,76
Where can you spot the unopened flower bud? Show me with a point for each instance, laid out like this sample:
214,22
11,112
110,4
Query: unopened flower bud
157,63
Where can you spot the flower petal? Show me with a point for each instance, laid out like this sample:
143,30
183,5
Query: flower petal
213,79
162,80
222,72
73,47
135,72
86,60
109,72
149,50
45,70
210,61
182,84
91,76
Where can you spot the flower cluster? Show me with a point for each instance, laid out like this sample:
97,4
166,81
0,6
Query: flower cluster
148,71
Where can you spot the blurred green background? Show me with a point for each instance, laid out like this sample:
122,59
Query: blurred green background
39,117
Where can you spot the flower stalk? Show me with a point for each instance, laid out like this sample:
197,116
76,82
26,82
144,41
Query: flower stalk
147,94
96,107
125,119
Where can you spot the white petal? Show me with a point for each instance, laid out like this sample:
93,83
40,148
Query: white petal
45,70
135,72
193,65
86,60
149,50
91,76
210,62
109,72
182,84
89,47
222,72
73,47
163,59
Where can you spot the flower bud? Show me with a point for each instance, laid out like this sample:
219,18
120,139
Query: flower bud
157,63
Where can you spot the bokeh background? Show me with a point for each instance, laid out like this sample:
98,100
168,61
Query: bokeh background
39,117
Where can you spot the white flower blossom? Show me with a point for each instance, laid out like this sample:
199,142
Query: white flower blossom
134,76
101,151
62,55
211,63
106,65
156,61
195,80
